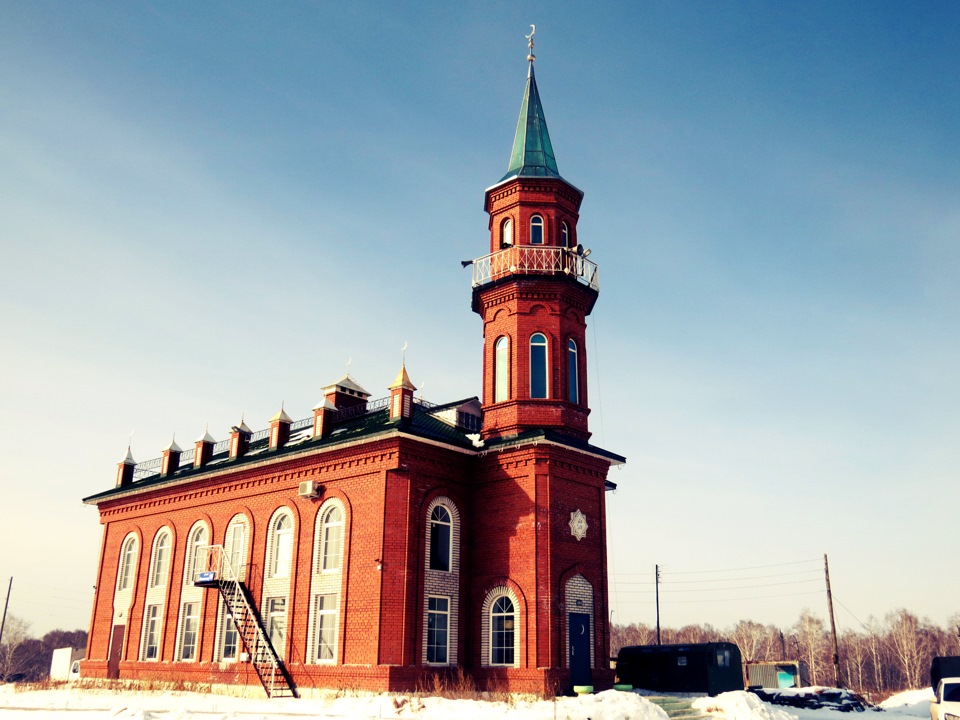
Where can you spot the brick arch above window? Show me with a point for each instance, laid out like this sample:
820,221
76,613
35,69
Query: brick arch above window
501,628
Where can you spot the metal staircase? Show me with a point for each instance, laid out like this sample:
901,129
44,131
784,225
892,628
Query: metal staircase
213,569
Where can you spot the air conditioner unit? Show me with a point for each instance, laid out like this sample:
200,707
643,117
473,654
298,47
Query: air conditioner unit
309,488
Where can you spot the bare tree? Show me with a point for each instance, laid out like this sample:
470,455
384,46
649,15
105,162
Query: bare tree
13,662
909,645
812,638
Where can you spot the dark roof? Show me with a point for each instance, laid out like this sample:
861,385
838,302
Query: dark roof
367,426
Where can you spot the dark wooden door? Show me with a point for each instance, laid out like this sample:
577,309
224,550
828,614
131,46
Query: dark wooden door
116,649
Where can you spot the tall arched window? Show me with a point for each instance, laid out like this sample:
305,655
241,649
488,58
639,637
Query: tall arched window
536,230
282,546
198,539
501,370
502,619
564,234
441,535
332,538
538,365
573,373
506,233
128,559
161,560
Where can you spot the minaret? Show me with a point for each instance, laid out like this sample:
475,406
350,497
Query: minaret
534,290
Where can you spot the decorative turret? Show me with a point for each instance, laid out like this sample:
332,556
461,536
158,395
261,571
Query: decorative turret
323,418
401,396
239,440
345,393
203,449
170,460
535,289
125,469
280,429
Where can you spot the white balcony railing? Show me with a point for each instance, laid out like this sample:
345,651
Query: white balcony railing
530,260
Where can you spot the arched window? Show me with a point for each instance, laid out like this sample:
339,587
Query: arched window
573,373
501,370
441,535
332,538
282,546
506,233
198,539
502,631
235,545
161,560
564,234
128,559
536,230
538,365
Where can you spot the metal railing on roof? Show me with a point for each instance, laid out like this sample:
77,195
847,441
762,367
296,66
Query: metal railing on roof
151,468
535,260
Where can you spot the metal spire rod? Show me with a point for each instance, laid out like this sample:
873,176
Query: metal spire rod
530,56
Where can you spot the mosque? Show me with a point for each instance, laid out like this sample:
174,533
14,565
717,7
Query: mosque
388,544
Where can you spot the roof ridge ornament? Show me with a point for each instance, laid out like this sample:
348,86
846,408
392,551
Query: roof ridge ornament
530,56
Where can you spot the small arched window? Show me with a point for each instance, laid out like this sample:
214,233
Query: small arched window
573,373
564,234
538,365
332,538
502,619
127,564
441,536
282,546
501,370
197,540
161,560
506,233
536,230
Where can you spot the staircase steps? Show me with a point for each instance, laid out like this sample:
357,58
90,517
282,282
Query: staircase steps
677,708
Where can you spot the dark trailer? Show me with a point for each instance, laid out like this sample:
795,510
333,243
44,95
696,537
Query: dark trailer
710,668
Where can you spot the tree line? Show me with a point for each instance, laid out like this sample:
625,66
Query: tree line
882,658
24,658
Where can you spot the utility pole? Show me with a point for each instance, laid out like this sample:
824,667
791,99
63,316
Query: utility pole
5,606
833,623
657,573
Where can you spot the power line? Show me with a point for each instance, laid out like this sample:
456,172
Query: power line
752,567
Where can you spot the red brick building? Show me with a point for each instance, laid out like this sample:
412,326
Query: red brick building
378,543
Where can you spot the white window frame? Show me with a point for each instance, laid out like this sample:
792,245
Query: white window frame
189,623
152,632
542,226
128,563
323,616
160,567
281,545
501,369
446,615
331,553
546,364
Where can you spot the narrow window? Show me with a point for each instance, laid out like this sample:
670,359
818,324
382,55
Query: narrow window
332,538
438,624
573,375
501,631
282,546
277,623
441,531
536,230
193,558
161,561
235,543
564,234
538,365
127,559
501,370
230,638
506,233
151,642
326,627
188,637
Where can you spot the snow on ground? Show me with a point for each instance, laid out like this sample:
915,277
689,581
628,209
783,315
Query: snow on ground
97,704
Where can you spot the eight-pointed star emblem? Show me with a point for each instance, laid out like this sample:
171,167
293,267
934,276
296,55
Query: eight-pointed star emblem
578,524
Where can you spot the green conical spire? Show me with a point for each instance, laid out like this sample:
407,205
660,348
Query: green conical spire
532,154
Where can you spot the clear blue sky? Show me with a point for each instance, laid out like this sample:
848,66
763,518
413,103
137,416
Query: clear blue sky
207,208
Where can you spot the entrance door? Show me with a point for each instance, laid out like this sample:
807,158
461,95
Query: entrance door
579,637
116,649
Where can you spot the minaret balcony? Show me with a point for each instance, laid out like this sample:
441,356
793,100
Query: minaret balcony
536,260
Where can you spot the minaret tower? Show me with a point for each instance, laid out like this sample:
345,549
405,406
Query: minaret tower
534,290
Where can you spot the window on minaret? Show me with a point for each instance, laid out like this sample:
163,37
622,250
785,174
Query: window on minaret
538,365
441,527
564,234
501,370
573,384
536,230
506,233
